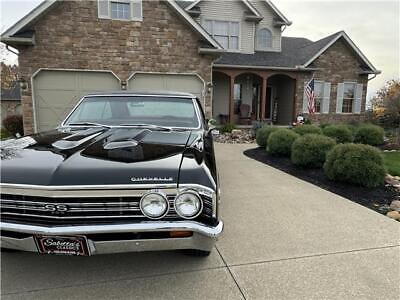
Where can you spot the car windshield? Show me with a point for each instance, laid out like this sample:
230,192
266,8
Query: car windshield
135,111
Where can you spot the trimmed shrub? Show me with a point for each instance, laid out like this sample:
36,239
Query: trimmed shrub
263,133
355,163
341,133
307,129
14,124
310,150
280,142
227,128
369,135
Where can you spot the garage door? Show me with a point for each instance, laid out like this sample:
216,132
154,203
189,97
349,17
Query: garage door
167,82
57,92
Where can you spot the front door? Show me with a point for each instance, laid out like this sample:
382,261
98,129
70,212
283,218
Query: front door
267,108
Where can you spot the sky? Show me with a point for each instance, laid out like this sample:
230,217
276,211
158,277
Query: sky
374,26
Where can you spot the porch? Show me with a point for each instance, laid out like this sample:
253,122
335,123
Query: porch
243,96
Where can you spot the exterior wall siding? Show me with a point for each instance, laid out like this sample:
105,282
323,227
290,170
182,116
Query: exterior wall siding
229,11
71,36
336,65
268,22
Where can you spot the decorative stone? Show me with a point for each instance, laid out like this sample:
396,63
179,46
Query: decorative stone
236,133
393,215
395,205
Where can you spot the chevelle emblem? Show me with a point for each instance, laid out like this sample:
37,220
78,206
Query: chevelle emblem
142,179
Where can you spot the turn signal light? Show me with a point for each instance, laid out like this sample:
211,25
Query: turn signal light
180,234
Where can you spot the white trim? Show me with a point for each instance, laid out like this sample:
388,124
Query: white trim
278,12
203,93
245,2
351,43
194,24
28,18
35,127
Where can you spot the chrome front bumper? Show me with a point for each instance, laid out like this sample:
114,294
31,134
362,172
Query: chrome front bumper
203,237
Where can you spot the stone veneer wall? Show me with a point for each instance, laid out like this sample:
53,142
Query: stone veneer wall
71,36
335,65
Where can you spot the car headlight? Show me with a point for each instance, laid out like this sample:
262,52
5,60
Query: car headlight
188,205
154,205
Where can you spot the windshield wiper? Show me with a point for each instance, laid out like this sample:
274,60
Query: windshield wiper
146,126
88,124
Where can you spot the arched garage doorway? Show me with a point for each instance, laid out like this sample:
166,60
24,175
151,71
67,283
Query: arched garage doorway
188,83
56,92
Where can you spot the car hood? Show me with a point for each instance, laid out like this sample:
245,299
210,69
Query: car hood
96,156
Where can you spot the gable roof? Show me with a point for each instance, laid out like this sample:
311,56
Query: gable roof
296,53
13,34
252,9
245,2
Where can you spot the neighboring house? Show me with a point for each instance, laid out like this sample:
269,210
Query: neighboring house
231,54
10,101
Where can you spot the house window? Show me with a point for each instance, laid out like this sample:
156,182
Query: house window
349,90
237,97
264,39
120,10
225,33
319,95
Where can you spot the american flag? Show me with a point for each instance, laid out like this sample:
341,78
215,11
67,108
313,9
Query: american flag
310,96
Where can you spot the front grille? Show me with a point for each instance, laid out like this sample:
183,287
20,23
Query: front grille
38,210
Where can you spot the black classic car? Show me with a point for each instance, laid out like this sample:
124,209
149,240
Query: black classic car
123,172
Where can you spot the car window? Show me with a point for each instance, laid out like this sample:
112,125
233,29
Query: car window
117,110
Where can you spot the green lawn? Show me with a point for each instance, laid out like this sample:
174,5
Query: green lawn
392,162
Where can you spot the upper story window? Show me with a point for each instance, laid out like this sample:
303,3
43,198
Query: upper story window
130,10
224,32
264,39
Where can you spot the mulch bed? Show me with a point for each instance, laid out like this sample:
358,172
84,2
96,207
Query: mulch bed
377,199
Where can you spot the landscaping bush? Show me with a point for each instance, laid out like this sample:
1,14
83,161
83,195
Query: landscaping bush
355,163
227,128
307,129
14,124
310,150
341,133
369,135
280,142
263,133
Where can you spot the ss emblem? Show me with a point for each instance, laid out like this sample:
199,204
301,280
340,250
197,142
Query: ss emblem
56,207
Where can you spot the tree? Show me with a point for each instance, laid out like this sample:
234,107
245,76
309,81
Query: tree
386,105
9,74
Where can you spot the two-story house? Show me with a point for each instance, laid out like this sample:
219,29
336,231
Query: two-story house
231,54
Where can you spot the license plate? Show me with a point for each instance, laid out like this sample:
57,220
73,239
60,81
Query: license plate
63,245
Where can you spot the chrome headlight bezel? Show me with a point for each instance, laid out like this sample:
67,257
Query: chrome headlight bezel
193,193
164,196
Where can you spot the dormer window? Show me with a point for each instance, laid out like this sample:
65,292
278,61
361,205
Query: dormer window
264,39
224,32
126,10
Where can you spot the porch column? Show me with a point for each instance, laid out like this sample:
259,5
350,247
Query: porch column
231,98
263,96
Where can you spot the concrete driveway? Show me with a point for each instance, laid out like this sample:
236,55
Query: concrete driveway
284,239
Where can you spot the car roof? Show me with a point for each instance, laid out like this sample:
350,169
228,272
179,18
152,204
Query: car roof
143,93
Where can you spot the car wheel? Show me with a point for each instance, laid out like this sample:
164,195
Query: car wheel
197,253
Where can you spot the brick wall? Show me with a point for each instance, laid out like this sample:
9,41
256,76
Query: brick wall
336,65
71,36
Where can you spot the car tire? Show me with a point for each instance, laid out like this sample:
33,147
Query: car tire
197,253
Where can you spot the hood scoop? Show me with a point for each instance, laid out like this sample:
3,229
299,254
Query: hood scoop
124,139
77,139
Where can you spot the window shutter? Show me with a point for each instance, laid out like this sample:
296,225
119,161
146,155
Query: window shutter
326,99
339,98
305,101
136,10
103,9
357,99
